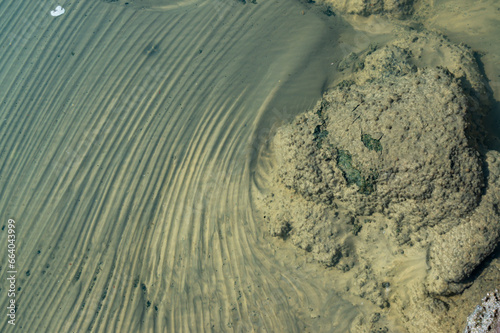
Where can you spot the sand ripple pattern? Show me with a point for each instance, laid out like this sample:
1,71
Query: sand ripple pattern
126,145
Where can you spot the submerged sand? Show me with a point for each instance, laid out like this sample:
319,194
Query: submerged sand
134,146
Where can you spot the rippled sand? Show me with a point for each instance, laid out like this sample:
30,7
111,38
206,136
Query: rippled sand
128,143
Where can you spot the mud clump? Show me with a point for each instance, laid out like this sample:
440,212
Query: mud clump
397,147
390,165
373,154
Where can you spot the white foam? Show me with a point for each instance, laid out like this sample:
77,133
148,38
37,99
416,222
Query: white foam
58,11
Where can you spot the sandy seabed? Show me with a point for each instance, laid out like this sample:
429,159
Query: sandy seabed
134,139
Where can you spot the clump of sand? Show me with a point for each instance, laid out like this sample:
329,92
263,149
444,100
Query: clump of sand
389,161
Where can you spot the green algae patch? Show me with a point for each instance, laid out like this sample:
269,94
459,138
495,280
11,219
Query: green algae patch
344,162
371,143
366,183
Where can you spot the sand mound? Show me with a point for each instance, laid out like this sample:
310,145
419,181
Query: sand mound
389,161
397,147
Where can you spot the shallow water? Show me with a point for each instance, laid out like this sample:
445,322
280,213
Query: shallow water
129,141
